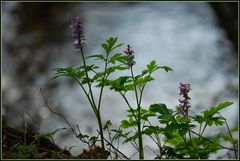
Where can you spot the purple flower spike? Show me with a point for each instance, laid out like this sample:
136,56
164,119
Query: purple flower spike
129,54
78,34
184,103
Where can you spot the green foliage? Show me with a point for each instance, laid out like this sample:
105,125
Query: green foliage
97,57
49,134
209,115
26,147
176,129
26,151
110,44
160,108
214,110
23,156
90,140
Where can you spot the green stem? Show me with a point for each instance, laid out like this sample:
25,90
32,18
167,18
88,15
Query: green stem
158,142
89,85
141,91
221,146
229,131
200,129
135,87
124,97
101,131
103,79
84,90
140,142
97,112
204,129
189,132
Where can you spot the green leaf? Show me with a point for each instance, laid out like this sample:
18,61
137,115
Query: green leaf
49,134
114,57
120,83
131,138
218,121
198,118
235,129
172,126
161,108
181,119
144,72
183,131
140,81
117,46
128,123
125,124
216,109
149,130
23,156
166,68
109,45
118,57
152,66
69,71
147,115
93,139
106,48
97,57
111,41
26,147
165,118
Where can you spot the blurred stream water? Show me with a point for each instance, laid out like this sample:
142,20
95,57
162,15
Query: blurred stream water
184,36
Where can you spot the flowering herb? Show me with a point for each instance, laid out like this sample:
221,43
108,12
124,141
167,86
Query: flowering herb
172,127
78,34
130,55
184,103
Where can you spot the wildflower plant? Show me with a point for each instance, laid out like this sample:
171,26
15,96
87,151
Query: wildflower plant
182,133
81,74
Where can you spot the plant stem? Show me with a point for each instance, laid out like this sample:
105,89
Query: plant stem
124,97
189,132
141,91
103,80
203,129
158,142
223,147
97,113
101,131
229,131
140,142
89,99
89,86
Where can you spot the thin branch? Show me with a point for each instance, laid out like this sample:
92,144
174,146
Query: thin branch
103,79
115,148
36,122
56,113
89,99
229,131
223,147
204,128
124,97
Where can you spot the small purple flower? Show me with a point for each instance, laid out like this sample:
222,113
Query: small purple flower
184,103
78,34
129,54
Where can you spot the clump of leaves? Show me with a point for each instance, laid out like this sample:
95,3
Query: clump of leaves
48,135
178,128
26,151
99,77
182,138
